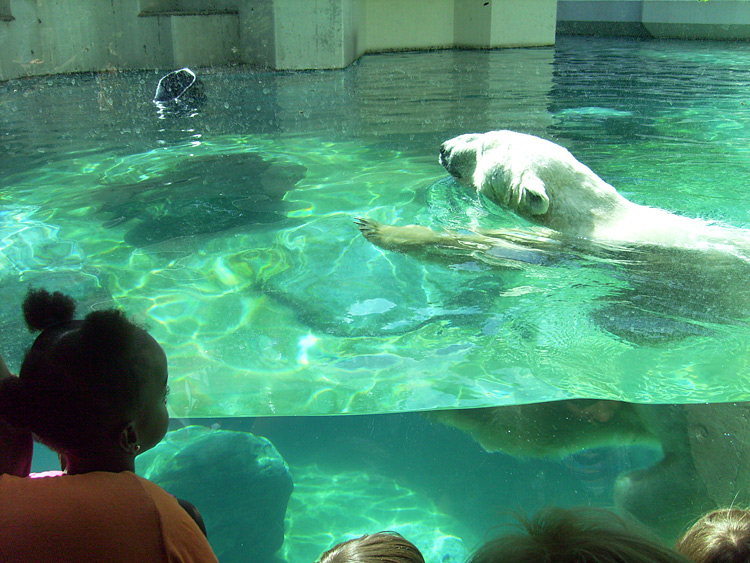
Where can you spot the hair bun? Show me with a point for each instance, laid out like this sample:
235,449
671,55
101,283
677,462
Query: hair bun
43,309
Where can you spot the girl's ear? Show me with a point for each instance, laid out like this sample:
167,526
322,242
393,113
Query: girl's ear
128,439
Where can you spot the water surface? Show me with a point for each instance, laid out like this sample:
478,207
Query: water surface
229,231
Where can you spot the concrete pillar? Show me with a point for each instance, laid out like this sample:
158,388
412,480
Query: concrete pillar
523,24
308,34
303,34
504,23
601,17
205,41
257,33
472,23
395,25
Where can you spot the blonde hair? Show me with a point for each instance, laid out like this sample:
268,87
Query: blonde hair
578,535
721,536
382,547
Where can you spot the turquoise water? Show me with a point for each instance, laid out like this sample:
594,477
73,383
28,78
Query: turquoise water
359,474
229,232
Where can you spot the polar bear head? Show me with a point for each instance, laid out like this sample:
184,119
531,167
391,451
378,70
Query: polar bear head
500,165
535,178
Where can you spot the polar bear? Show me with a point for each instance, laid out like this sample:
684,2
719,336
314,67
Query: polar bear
706,447
682,272
546,185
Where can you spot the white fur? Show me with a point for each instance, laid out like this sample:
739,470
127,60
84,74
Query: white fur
544,183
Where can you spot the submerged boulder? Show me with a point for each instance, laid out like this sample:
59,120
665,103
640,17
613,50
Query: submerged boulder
330,506
238,481
201,194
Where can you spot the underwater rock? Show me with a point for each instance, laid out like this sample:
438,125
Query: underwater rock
642,326
206,216
357,304
238,481
674,294
706,456
329,507
705,449
203,195
377,293
719,437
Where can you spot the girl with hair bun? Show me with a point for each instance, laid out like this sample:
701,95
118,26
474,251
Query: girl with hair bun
95,391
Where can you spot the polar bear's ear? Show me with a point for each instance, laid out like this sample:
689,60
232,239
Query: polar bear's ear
534,199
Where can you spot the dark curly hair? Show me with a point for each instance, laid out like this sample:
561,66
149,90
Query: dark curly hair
79,379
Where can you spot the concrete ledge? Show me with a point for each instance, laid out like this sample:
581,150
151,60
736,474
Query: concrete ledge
188,7
719,32
88,35
716,19
624,11
196,13
715,12
603,29
673,19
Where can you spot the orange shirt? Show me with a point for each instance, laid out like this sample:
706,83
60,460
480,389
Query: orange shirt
95,517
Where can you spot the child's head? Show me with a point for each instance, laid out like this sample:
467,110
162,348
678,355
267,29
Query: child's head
580,535
87,384
382,547
721,536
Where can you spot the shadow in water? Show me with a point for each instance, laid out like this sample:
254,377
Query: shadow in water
204,195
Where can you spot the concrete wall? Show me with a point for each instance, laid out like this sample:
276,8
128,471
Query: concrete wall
398,25
522,24
472,24
668,19
57,36
428,24
42,38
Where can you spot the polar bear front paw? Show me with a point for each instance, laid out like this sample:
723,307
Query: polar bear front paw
367,227
375,232
396,238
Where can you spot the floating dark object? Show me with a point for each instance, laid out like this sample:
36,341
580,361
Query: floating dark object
180,90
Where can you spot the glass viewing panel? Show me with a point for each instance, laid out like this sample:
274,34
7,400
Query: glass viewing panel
228,228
